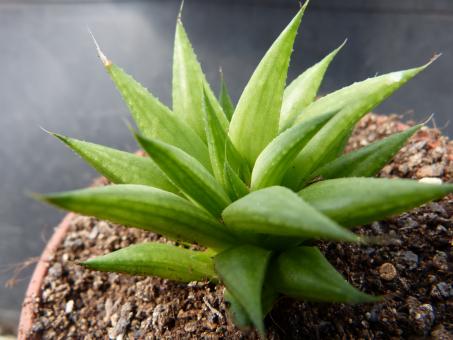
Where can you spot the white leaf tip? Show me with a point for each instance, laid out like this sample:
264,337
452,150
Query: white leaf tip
431,116
432,60
181,7
303,5
105,61
47,131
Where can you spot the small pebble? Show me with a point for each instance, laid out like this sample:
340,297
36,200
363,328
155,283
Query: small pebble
410,223
442,291
69,307
438,209
414,160
440,333
94,233
424,318
430,180
440,228
430,171
55,271
190,326
410,259
440,261
377,228
387,271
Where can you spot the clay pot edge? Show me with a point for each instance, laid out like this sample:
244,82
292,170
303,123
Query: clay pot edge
34,286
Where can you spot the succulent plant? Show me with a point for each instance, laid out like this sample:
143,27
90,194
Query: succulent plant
252,185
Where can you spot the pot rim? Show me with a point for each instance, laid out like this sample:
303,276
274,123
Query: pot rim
34,286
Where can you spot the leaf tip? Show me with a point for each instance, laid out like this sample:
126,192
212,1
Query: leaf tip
432,60
45,130
426,121
89,264
105,61
62,138
301,11
361,297
342,45
85,263
335,51
304,5
54,134
181,7
40,197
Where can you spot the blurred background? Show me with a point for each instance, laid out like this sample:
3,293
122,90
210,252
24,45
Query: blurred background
50,76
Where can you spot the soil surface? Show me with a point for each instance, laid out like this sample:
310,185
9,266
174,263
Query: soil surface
413,269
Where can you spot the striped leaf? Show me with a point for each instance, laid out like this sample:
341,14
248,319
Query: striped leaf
120,167
242,270
188,175
304,273
373,90
188,80
147,208
354,201
302,90
255,121
328,140
157,259
154,119
279,211
225,98
366,161
278,156
234,186
220,146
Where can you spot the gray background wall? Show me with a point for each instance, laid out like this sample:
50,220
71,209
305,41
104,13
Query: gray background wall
50,77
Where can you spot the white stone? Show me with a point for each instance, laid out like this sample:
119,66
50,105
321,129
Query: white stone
430,180
69,307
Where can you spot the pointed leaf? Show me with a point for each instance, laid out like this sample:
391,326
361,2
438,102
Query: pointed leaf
366,161
147,208
279,211
219,144
236,311
353,201
277,157
233,184
257,113
339,149
372,90
157,259
304,273
187,174
302,90
188,79
242,269
225,99
154,119
120,167
319,150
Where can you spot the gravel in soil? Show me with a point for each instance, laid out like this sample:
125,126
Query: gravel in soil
413,270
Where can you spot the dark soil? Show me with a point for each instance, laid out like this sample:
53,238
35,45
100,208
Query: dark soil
413,270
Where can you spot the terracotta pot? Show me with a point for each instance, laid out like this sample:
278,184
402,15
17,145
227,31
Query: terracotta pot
34,287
